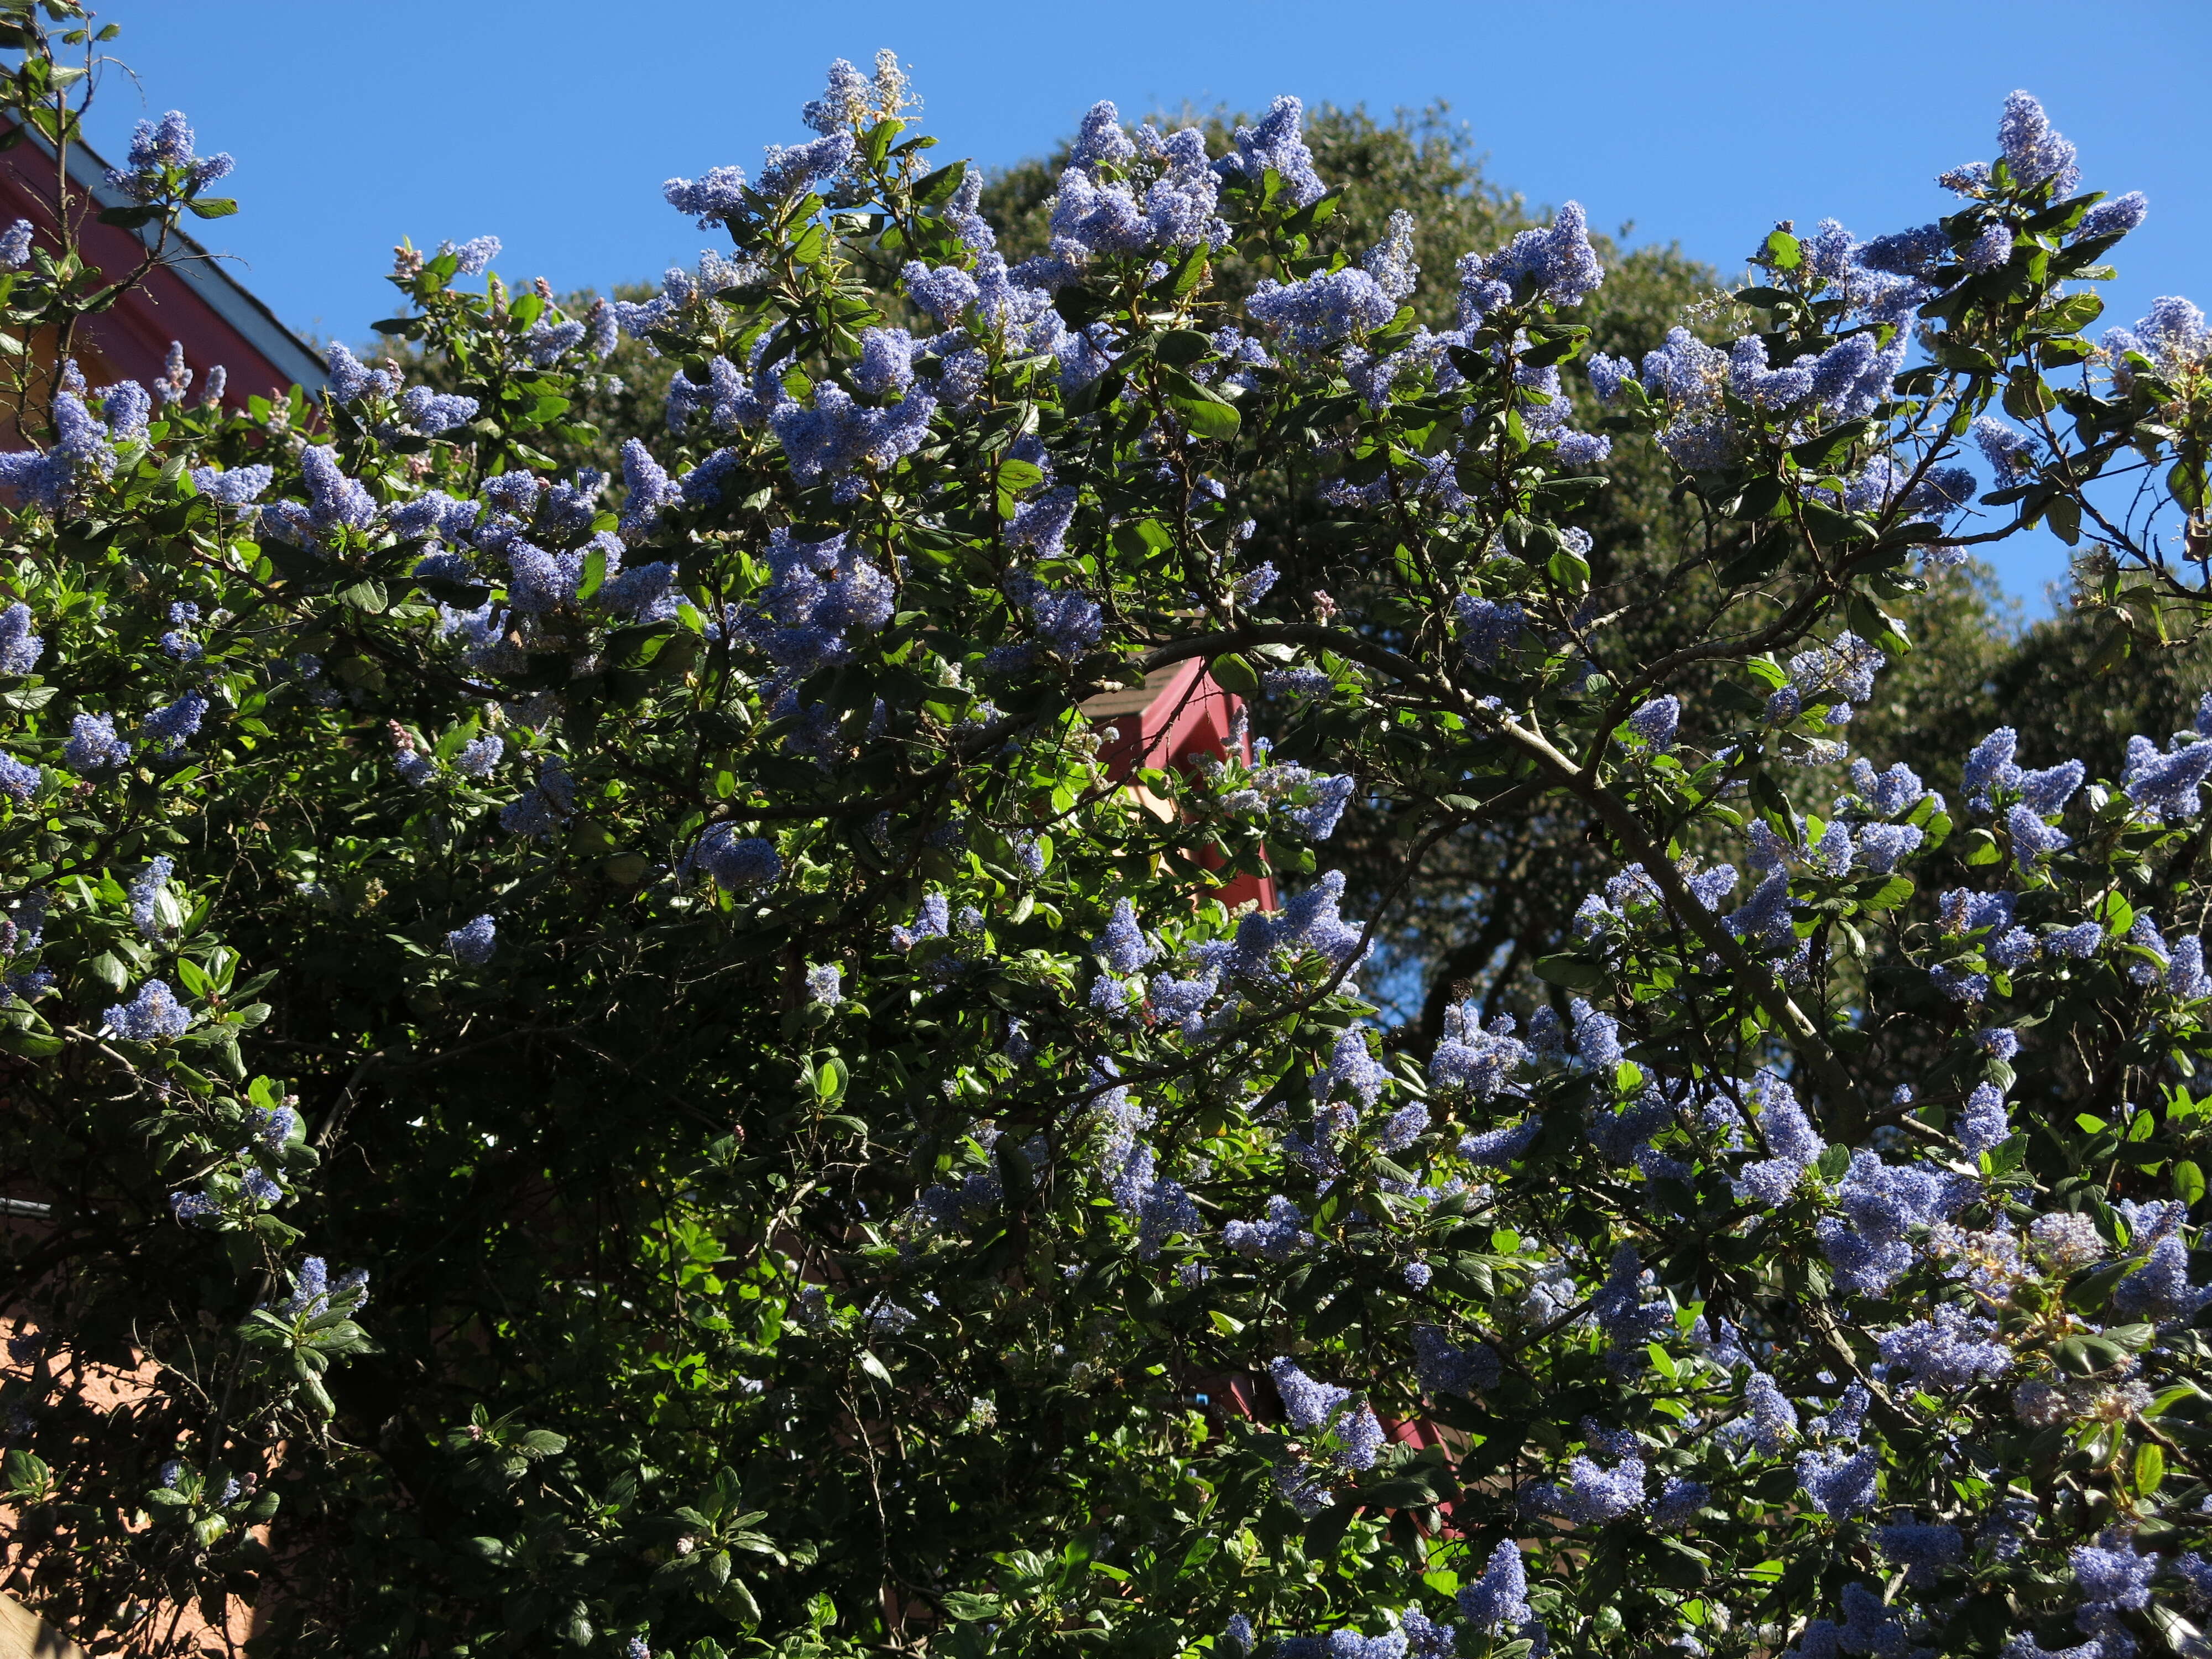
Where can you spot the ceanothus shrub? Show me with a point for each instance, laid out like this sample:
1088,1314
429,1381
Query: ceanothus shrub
832,1172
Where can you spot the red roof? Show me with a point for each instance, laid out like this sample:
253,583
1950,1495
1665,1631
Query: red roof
190,298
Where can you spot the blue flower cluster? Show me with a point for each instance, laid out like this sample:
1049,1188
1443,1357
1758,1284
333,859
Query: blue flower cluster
163,162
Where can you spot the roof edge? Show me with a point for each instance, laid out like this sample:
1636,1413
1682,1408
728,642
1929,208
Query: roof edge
202,272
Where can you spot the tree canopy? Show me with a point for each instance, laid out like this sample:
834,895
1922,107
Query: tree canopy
612,1067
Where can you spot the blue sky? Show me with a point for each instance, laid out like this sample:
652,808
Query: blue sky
552,124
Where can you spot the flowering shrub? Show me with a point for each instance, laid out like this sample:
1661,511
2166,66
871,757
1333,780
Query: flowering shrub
711,1121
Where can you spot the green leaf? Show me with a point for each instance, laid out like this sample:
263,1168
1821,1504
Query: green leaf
937,188
2150,1469
2185,481
1232,673
367,594
1575,973
1820,454
2085,1356
1891,894
212,207
2188,1181
1208,417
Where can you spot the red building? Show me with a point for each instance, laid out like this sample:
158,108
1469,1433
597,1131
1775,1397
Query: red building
190,298
1177,716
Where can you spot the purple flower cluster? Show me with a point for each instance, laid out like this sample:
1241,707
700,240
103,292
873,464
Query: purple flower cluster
1469,1057
1279,1234
1444,1367
152,1015
2165,785
1279,142
335,504
1790,1138
1878,1205
1654,724
20,649
735,862
473,942
1592,1495
1319,1408
818,594
162,162
1949,1350
1554,263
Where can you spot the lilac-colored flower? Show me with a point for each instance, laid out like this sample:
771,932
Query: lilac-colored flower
473,942
716,198
1279,1234
145,892
20,649
168,727
650,489
479,756
1990,767
1498,1600
2009,451
1878,1204
1554,263
1989,249
19,781
1444,1367
1317,1408
1772,1423
1592,1495
1487,626
432,413
2110,1573
153,1014
540,810
788,173
2032,148
93,744
1679,1501
2165,785
1320,310
471,257
1947,1350
2117,216
734,861
1924,1551
886,361
1278,142
933,921
1838,1482
1985,1125
1880,845
2160,1289
1655,722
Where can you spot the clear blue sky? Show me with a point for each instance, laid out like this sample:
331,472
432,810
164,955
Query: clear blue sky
552,124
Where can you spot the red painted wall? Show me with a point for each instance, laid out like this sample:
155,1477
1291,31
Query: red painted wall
1188,716
130,340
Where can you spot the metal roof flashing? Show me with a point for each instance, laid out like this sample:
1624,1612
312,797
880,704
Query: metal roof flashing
202,272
